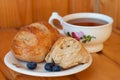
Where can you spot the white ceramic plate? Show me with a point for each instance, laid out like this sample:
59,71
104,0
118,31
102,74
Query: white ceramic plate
20,67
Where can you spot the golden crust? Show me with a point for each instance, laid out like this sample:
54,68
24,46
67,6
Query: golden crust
33,42
67,52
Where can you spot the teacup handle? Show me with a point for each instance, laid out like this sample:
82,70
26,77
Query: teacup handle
55,15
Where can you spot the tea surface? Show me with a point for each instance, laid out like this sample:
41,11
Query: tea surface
87,22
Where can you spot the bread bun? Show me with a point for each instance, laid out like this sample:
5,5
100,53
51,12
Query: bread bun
33,42
67,52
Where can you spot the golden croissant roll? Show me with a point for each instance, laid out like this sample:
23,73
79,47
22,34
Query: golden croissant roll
33,42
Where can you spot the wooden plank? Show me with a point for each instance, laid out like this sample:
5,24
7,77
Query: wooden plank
118,15
61,6
15,13
25,77
44,8
102,68
18,13
2,77
6,37
25,11
112,48
4,70
81,6
8,13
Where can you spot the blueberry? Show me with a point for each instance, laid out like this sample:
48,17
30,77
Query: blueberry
49,66
56,68
52,67
31,65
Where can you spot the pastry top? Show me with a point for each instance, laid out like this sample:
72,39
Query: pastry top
33,42
67,52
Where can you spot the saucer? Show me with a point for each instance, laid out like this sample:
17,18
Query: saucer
20,67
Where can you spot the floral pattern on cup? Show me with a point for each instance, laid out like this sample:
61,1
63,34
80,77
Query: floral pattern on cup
80,36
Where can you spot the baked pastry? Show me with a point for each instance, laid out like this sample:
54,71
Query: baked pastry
67,52
33,42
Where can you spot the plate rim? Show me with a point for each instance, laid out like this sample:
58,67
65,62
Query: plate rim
44,74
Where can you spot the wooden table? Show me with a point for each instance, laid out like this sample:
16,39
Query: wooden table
105,66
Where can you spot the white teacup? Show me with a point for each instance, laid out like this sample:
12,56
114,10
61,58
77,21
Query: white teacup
92,37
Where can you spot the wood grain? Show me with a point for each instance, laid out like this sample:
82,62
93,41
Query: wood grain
25,11
81,6
101,69
8,13
15,13
2,77
111,49
6,37
44,8
111,8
